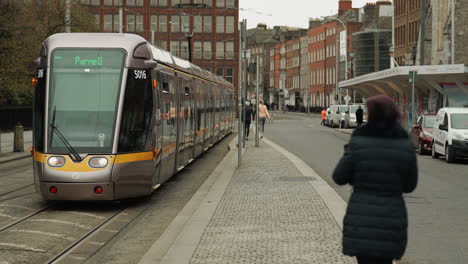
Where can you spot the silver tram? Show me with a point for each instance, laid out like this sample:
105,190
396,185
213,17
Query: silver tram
115,117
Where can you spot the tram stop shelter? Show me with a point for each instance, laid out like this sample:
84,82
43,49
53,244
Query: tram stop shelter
436,86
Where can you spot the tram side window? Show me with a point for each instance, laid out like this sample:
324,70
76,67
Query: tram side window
136,112
39,107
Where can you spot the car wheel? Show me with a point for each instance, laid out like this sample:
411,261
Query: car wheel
449,155
435,155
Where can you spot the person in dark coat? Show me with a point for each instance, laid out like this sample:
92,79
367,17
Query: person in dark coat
380,164
249,115
359,116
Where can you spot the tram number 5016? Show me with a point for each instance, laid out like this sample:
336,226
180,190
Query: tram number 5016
140,74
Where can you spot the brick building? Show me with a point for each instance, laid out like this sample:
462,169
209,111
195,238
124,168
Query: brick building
213,24
407,24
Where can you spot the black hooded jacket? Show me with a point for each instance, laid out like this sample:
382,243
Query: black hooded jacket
380,163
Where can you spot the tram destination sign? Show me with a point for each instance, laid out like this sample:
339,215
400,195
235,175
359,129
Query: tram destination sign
88,58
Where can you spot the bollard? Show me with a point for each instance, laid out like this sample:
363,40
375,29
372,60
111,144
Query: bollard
18,145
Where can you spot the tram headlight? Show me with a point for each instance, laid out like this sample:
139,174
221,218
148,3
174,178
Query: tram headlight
98,162
56,161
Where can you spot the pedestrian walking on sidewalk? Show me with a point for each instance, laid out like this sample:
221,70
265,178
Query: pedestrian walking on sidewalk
380,164
262,115
359,116
249,115
324,116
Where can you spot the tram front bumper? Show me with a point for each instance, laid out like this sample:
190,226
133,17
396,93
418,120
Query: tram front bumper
77,191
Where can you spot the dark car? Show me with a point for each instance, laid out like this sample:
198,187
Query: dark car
421,133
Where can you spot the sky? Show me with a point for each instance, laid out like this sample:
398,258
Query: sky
293,13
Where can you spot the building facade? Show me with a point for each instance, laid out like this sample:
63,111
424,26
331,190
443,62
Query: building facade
407,25
211,26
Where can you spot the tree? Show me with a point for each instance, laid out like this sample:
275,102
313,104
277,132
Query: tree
24,25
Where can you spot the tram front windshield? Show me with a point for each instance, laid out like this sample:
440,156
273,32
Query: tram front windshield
83,99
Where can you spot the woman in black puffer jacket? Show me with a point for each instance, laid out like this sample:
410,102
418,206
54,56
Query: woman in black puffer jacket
380,163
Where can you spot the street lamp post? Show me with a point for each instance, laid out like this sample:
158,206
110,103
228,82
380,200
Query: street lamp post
345,44
186,29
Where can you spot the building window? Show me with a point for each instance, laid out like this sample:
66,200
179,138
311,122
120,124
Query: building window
185,24
220,72
207,3
175,2
108,23
117,2
197,50
229,24
229,74
139,2
139,23
197,24
219,50
207,24
131,22
107,3
207,50
220,4
175,24
162,23
117,23
154,23
130,2
229,50
175,48
184,50
219,24
230,4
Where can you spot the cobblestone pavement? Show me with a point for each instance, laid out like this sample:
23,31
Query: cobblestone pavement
270,213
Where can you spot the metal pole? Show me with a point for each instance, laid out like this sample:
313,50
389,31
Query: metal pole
453,31
257,101
120,20
243,41
392,64
239,98
412,106
189,39
152,37
67,16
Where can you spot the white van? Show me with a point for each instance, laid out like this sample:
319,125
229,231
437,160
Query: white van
451,134
338,115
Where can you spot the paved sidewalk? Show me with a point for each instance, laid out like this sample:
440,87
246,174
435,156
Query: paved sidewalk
6,147
272,209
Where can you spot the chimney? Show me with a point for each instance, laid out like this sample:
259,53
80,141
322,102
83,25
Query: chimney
344,5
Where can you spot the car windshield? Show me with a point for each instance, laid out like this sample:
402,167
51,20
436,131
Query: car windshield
459,121
429,121
84,89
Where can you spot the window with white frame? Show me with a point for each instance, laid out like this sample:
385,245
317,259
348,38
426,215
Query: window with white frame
162,23
117,2
175,48
139,23
220,50
207,50
131,22
130,2
207,20
197,24
175,23
184,50
175,2
230,4
154,23
108,23
207,2
229,24
229,50
116,23
229,74
220,4
197,50
220,24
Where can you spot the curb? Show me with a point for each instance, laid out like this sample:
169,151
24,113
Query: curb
186,229
15,158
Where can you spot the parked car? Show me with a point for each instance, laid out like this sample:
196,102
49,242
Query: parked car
421,133
451,134
338,115
351,120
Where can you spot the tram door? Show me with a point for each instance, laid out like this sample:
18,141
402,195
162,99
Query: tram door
157,127
184,124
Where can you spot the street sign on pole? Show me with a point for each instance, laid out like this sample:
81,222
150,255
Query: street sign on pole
412,80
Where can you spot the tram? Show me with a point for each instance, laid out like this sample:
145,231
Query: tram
115,117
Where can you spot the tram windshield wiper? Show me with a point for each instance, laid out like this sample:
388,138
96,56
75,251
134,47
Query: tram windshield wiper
67,144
